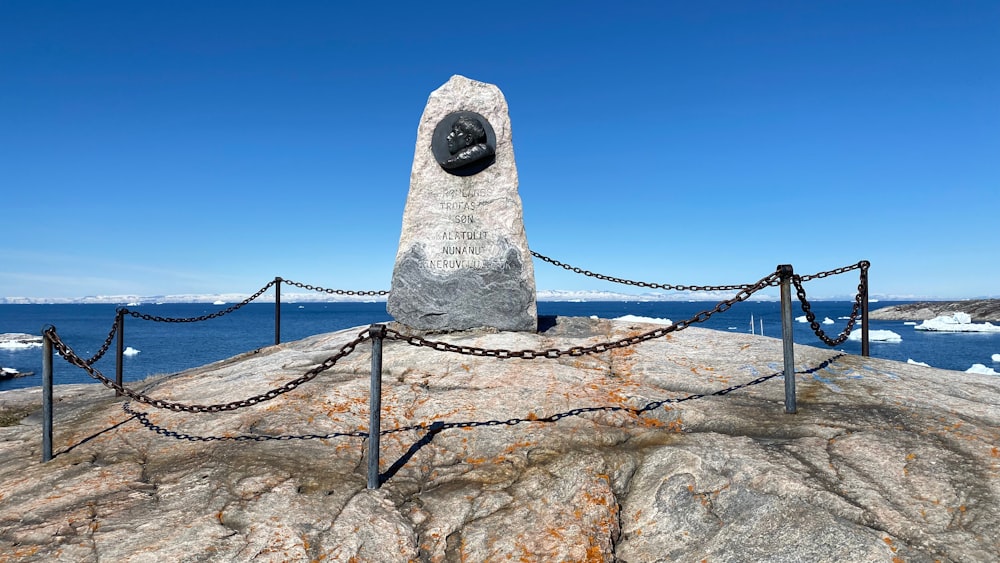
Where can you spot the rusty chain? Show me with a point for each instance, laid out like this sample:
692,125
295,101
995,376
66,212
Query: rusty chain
553,353
67,353
143,419
107,343
855,310
70,356
650,285
333,291
214,315
862,265
746,290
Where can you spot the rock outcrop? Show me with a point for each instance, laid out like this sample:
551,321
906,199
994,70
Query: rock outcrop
981,310
883,462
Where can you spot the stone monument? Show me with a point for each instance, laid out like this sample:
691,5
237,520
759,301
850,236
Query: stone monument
463,260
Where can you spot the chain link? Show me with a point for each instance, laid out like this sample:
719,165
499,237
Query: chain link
855,310
435,427
214,315
143,419
333,291
862,265
553,353
67,353
746,290
650,285
107,343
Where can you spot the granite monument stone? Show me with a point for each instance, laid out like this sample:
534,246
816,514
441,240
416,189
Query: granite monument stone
463,260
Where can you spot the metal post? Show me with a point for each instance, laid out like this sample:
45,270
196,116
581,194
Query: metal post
277,311
864,311
786,336
119,350
377,332
46,397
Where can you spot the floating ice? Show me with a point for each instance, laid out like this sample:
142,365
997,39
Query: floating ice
910,323
876,336
996,357
980,368
8,371
956,322
19,341
129,351
913,362
828,321
802,319
651,320
219,302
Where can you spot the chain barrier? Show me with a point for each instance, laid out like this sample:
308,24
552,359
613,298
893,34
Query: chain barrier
333,291
855,310
104,347
553,353
70,356
650,285
214,315
746,290
143,419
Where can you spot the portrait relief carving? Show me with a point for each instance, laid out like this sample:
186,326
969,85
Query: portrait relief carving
464,143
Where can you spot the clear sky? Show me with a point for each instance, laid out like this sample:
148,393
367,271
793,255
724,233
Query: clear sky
153,148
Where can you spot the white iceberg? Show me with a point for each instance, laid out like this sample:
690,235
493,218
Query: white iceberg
910,323
218,302
956,322
650,320
19,341
913,362
996,357
828,321
980,368
876,336
802,319
129,351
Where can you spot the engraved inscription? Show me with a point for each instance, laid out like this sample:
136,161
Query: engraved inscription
466,239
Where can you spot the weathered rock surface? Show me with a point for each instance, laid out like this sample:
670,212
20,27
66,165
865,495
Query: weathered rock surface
884,461
981,310
463,260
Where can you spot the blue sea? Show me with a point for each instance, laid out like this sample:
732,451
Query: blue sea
173,347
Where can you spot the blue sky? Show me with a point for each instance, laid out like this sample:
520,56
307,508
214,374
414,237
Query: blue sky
154,148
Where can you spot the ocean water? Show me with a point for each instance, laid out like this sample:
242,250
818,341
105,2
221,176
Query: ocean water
173,347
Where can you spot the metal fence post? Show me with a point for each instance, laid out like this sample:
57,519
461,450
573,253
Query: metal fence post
277,311
377,332
788,343
864,312
119,350
46,396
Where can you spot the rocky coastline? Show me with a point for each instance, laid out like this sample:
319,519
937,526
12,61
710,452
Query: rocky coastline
884,461
981,310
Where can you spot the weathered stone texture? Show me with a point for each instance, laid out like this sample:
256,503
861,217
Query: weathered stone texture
884,461
463,258
981,310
